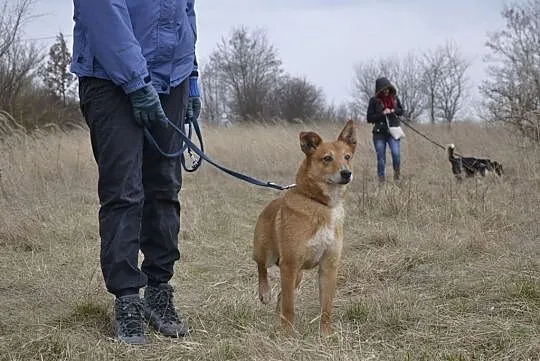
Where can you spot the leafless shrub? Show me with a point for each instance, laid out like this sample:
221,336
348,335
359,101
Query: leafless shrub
339,112
297,98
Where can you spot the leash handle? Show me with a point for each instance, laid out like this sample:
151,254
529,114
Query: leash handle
180,152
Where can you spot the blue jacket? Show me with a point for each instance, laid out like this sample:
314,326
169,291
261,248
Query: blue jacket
133,42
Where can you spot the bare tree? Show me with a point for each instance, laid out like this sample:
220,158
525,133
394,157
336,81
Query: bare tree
432,74
365,74
214,102
17,60
56,74
342,113
512,90
249,67
445,81
409,81
12,18
339,112
297,98
453,86
21,94
405,73
18,67
350,111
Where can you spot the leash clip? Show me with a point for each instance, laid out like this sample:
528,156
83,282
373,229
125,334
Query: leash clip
275,185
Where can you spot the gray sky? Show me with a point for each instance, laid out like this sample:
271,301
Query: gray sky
324,39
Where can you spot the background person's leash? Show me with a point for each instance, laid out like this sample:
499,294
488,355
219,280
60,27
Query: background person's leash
468,166
192,148
425,136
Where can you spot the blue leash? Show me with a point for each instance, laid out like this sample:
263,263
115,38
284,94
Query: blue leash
191,147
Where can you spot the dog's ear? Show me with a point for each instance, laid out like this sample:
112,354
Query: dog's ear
348,134
309,141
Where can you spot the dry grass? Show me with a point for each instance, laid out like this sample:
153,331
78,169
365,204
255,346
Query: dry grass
431,270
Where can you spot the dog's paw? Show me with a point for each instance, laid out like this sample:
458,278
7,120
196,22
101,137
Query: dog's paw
325,330
265,295
265,298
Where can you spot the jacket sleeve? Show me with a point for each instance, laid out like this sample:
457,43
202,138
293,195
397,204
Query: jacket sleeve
192,17
372,115
111,39
399,109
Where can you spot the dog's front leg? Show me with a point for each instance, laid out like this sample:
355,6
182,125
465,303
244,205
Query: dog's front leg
327,288
299,276
288,275
264,287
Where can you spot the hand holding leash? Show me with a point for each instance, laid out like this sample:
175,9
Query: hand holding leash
147,107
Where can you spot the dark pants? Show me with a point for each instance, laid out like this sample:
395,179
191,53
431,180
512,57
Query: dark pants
380,141
137,187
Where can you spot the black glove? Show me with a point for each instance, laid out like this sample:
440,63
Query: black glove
147,108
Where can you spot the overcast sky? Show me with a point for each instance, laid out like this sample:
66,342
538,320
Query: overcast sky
324,39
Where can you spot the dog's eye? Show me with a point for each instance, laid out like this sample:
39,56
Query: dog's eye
328,158
347,156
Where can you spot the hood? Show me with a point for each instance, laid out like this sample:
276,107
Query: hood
382,83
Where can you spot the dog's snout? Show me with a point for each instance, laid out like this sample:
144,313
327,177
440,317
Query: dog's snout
346,174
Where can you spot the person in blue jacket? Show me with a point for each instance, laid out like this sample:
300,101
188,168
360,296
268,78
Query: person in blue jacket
136,65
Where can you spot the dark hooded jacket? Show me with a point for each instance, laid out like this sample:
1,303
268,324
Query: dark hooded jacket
375,108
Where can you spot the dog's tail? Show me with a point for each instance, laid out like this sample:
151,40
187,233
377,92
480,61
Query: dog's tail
450,150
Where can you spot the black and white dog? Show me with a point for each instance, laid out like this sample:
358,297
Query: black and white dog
471,166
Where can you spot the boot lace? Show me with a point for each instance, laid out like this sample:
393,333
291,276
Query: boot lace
162,301
130,316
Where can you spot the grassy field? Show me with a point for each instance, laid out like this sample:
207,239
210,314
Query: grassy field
432,270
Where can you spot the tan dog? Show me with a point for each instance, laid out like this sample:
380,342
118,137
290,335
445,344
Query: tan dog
304,228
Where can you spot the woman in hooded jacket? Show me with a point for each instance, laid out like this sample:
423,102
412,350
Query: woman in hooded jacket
384,109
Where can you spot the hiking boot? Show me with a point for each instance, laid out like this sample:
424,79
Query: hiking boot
382,179
130,325
396,174
160,312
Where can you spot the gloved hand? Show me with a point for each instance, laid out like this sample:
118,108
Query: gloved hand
194,99
147,107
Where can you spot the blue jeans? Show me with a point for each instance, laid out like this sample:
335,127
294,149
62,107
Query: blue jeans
380,141
137,187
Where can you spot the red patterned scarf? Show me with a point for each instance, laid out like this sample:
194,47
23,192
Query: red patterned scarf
388,101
